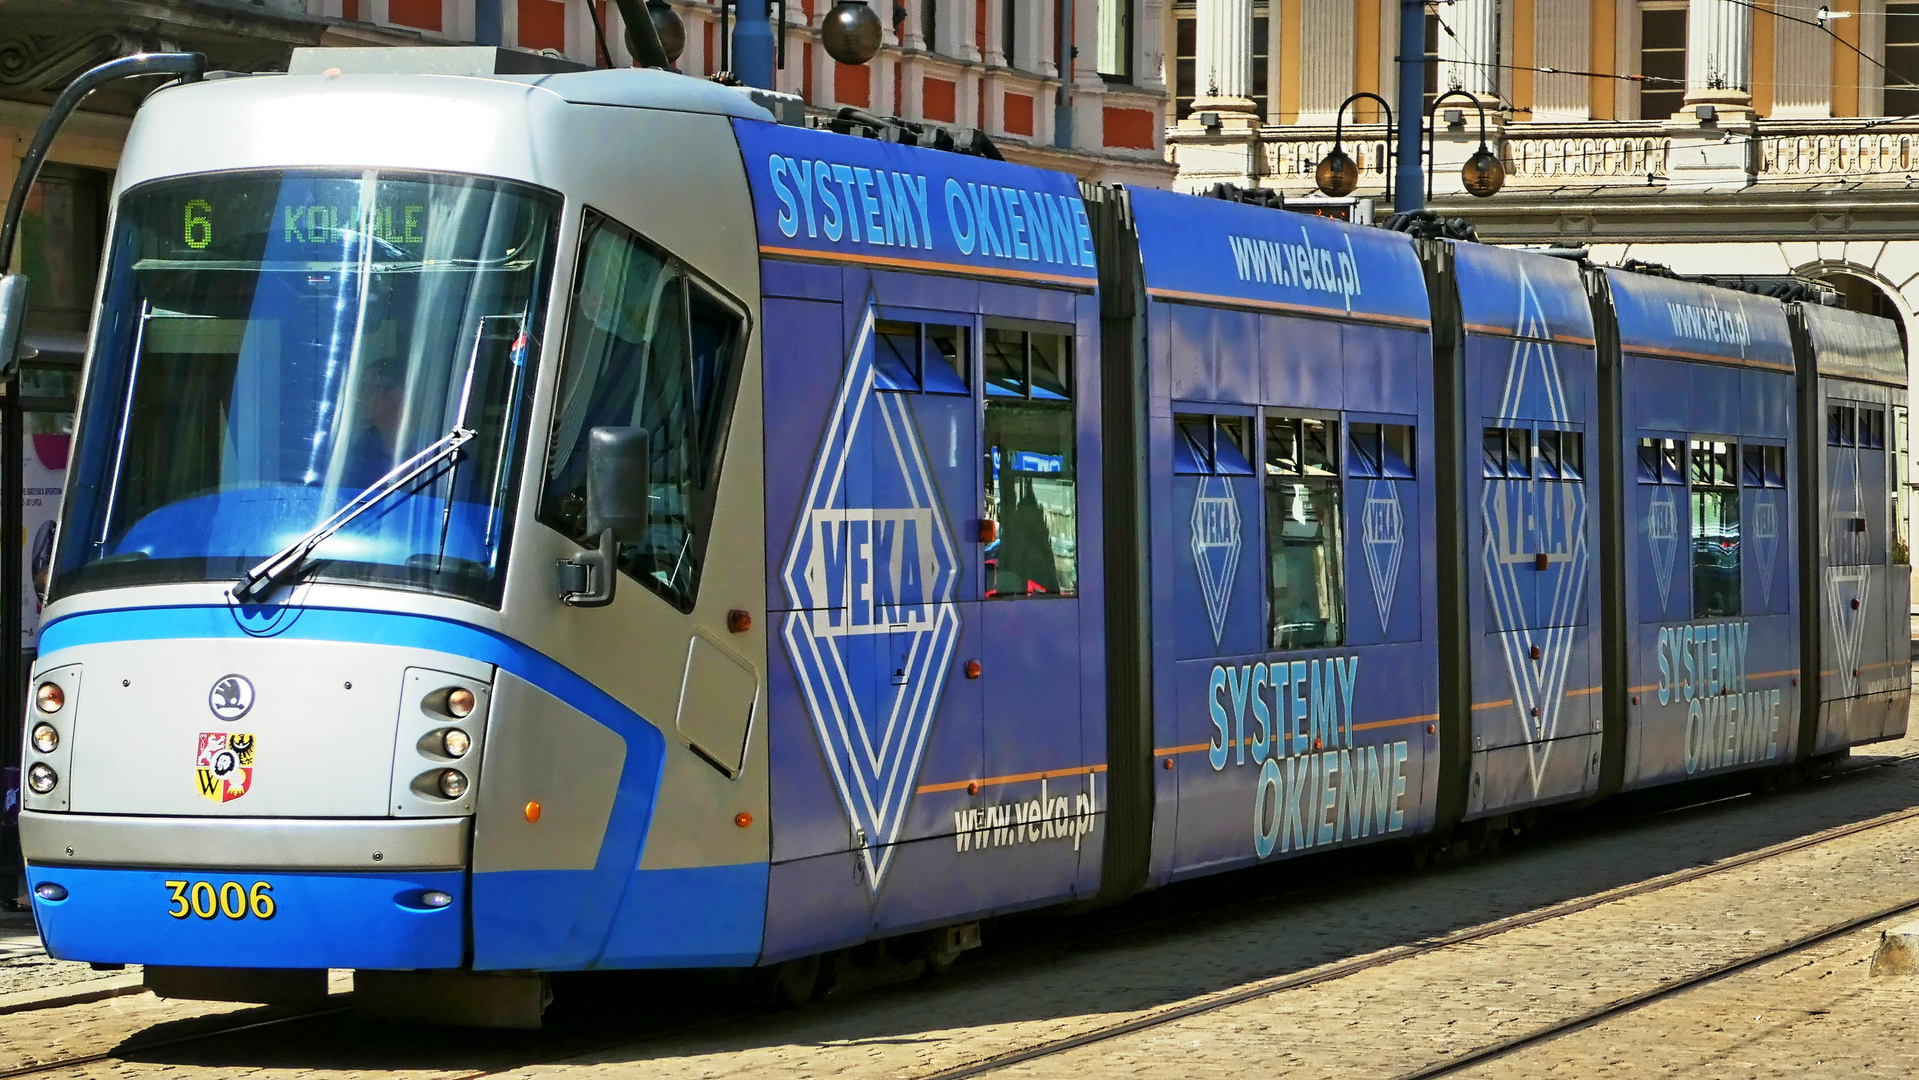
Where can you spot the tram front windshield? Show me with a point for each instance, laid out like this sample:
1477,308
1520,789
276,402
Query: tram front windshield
271,345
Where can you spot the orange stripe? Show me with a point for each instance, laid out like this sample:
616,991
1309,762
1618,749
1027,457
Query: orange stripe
1194,748
1426,719
1681,354
1491,704
1582,693
1504,332
1774,674
994,781
1642,689
1276,305
1085,284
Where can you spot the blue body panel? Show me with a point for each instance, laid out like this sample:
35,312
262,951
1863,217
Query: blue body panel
865,201
1708,693
1253,315
875,733
120,916
1531,374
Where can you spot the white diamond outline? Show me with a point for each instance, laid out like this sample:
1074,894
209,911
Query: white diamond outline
1665,549
1546,692
1765,544
895,769
1218,596
1384,578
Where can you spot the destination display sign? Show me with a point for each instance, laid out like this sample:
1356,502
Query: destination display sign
817,194
292,217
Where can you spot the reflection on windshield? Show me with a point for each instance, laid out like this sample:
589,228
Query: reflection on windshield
273,344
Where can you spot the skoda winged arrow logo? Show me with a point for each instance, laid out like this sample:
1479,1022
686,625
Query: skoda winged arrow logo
231,697
871,577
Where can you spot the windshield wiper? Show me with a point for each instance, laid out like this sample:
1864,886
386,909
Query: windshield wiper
256,582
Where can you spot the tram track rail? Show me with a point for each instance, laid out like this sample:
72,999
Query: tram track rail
1672,988
214,1030
1266,987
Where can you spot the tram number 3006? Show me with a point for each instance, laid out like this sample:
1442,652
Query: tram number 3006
205,900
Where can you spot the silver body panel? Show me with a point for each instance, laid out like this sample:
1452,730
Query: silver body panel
243,843
586,136
545,752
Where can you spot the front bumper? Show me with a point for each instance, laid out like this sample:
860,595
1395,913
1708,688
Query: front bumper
312,920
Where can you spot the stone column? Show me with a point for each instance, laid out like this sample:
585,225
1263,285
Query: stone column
1469,56
1224,65
1712,145
1719,55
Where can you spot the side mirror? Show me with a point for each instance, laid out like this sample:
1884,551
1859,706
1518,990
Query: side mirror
13,320
618,488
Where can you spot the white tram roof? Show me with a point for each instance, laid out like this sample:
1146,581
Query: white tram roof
632,88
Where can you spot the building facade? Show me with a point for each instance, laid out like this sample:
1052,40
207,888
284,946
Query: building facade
1748,138
1755,137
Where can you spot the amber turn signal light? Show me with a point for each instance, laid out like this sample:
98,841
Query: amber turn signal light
739,622
988,531
743,819
972,669
533,811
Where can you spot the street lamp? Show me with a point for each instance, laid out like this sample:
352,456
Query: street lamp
851,32
1483,174
1338,174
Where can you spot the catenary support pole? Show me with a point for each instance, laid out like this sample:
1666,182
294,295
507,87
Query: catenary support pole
753,44
1409,187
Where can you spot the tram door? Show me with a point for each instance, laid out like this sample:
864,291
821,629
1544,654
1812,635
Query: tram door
1033,553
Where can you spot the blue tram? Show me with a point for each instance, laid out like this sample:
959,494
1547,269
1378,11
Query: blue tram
492,551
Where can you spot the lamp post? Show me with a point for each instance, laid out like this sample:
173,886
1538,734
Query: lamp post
1338,174
1483,174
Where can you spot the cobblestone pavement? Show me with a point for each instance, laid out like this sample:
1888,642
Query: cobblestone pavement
1072,975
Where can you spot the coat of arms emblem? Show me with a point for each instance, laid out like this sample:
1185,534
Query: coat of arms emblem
223,769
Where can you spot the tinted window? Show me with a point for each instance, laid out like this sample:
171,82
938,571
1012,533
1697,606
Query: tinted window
647,346
1032,486
1306,585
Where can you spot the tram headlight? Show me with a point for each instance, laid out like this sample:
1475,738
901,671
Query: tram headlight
41,778
45,738
455,742
49,697
459,702
452,783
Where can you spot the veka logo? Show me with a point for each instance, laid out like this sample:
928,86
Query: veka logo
1216,547
871,576
1534,607
1662,536
1765,538
1383,538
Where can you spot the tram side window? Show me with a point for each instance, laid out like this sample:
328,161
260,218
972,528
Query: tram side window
1210,445
1715,529
1841,425
1662,461
1562,455
1306,589
1764,466
647,346
920,356
1508,453
1032,485
1872,429
1380,450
